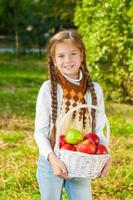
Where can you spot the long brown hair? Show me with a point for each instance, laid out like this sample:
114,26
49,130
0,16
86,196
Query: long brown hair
76,39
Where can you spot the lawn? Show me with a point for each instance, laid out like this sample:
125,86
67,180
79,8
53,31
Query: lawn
20,81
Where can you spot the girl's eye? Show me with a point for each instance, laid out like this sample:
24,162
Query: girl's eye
61,56
74,53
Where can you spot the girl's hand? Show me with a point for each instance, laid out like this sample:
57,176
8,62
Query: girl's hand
58,166
106,168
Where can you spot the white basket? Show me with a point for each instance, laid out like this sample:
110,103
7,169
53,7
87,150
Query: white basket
81,164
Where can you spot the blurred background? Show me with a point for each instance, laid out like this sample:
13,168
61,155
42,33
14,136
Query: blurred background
25,28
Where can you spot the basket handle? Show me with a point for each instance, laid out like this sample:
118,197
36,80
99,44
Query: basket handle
86,106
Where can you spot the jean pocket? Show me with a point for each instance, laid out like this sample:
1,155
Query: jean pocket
44,166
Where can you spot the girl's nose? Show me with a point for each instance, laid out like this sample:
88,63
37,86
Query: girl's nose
67,58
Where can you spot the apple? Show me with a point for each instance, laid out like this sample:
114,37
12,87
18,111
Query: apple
69,147
74,136
93,137
101,149
62,140
87,146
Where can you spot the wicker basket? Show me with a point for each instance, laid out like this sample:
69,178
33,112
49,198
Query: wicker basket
81,164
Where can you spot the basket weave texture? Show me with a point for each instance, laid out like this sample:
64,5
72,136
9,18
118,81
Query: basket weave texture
81,164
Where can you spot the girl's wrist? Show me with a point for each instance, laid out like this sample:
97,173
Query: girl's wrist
52,156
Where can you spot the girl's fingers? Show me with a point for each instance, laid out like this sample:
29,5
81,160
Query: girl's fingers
106,168
64,171
105,172
61,171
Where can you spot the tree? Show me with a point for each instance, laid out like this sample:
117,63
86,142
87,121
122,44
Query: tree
14,15
30,21
107,31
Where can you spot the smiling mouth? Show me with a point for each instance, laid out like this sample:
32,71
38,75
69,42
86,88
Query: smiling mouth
68,66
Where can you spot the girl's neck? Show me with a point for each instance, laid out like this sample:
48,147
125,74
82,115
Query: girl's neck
72,79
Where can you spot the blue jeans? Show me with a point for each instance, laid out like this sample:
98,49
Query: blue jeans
51,186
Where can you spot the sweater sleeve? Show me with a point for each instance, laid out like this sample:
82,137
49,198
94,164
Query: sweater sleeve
100,115
42,120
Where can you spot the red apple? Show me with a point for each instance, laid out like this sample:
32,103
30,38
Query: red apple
87,146
93,137
101,149
62,140
69,147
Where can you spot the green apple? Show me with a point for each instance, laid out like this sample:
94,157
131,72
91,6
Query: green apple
74,136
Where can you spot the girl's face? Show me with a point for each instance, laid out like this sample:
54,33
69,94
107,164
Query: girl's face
68,58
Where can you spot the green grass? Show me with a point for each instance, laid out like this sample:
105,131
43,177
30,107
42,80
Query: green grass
20,81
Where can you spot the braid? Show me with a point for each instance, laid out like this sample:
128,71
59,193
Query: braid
51,70
93,94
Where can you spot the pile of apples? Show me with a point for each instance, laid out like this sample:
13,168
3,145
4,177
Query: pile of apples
89,143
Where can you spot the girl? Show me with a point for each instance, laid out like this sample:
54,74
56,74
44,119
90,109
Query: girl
69,85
